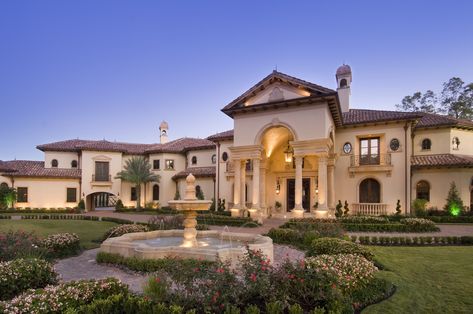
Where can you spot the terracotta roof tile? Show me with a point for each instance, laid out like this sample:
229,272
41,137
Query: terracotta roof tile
227,135
4,167
441,160
182,145
436,120
365,116
29,168
198,172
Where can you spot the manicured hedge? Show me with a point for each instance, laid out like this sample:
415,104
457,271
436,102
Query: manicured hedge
117,220
220,220
20,275
451,219
413,241
61,217
337,246
300,239
150,265
392,227
41,211
5,217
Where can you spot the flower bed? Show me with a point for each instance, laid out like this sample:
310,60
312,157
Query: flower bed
325,246
124,229
57,299
413,241
61,244
350,271
41,210
17,244
419,224
20,275
60,217
450,219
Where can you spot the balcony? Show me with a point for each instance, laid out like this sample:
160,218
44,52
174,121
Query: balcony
101,180
369,209
370,163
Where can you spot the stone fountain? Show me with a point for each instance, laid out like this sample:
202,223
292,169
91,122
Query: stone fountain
188,243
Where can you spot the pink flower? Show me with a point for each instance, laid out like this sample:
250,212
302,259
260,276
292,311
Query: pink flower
220,270
253,277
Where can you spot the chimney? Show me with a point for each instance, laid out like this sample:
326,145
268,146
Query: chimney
343,86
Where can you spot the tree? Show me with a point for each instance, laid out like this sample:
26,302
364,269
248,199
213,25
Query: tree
419,102
338,209
137,170
7,197
457,99
454,202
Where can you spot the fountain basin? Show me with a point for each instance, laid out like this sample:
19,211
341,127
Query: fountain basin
209,245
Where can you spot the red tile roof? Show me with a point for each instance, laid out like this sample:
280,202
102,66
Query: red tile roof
198,172
441,160
4,167
181,145
227,135
365,116
29,168
430,120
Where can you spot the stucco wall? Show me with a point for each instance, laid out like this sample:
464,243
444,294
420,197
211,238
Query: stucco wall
440,138
466,142
204,158
47,193
64,159
206,185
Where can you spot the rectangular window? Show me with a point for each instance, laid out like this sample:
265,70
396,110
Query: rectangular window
156,164
169,164
22,195
102,172
133,195
369,151
71,195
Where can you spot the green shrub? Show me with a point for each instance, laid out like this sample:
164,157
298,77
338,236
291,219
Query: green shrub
81,205
22,274
61,244
338,209
419,207
117,220
454,203
19,244
337,246
419,224
451,219
124,229
119,205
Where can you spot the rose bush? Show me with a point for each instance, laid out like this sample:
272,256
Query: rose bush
17,244
57,299
20,274
61,244
124,229
349,270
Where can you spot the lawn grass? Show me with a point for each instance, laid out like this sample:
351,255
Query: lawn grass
429,279
88,231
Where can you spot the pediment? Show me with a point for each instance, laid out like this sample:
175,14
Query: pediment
276,92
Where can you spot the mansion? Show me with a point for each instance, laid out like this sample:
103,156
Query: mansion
296,149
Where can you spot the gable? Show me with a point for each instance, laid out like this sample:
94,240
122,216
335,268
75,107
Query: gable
277,91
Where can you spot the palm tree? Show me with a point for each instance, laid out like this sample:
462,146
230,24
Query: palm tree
137,170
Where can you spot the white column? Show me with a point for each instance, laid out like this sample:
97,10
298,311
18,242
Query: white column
331,186
242,184
236,187
298,183
256,181
262,197
323,183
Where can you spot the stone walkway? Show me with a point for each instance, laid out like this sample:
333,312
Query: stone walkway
445,229
84,266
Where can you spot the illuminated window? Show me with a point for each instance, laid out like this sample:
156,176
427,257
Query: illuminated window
169,164
423,190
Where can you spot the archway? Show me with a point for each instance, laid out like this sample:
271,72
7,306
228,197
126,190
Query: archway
101,201
370,191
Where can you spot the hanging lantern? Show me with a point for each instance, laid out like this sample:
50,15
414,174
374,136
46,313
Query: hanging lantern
288,153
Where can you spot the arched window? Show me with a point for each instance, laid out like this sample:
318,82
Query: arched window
343,83
4,185
214,159
225,156
426,144
54,163
194,160
74,164
423,190
155,192
370,191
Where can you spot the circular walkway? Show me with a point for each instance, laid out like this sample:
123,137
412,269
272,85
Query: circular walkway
84,266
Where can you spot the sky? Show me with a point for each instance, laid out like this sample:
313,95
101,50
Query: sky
114,70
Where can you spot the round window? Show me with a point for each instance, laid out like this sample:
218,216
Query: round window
225,156
347,148
394,144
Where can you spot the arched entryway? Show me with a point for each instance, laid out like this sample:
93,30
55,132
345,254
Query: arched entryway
370,191
101,201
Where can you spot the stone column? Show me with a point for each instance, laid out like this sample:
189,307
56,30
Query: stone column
242,184
236,188
331,186
323,206
255,206
262,198
298,209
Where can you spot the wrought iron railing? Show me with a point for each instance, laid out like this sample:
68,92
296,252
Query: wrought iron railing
101,178
370,160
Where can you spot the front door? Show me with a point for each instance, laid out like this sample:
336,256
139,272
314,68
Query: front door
291,192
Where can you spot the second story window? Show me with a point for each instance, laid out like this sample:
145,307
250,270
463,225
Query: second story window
426,144
369,151
156,164
194,160
54,163
74,164
102,171
169,164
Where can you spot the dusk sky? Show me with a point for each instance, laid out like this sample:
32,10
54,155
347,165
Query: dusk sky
116,69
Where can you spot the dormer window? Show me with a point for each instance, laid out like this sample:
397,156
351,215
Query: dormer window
54,163
426,144
74,164
194,160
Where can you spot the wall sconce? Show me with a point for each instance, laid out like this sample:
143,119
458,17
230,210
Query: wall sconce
288,152
278,187
316,191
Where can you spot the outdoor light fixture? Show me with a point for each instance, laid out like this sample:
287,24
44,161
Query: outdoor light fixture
278,187
288,153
